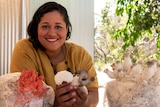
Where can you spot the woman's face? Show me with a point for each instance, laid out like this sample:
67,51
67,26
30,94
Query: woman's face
52,31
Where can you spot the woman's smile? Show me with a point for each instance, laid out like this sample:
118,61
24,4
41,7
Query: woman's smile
52,39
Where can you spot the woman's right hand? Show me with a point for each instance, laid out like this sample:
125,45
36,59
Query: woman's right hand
65,95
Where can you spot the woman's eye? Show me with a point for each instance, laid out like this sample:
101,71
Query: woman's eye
58,27
45,26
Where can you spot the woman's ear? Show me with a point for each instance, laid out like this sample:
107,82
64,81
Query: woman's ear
69,32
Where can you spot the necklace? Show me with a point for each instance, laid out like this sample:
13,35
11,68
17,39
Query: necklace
65,61
54,68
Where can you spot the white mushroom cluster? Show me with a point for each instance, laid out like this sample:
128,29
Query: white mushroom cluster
80,78
133,84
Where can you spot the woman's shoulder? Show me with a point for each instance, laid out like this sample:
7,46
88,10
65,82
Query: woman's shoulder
73,46
76,49
24,43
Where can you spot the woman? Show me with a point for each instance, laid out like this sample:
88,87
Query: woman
47,51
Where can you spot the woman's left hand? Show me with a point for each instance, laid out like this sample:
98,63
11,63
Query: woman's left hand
81,97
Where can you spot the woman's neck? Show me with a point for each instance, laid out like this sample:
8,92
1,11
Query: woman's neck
56,56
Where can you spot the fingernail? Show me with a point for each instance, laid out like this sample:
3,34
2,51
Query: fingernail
74,99
75,87
73,93
71,87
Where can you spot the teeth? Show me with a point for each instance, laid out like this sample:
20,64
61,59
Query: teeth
52,40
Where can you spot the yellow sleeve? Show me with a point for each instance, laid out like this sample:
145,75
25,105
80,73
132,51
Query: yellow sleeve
23,57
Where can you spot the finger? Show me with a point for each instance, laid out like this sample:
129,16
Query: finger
81,92
81,96
68,96
69,103
65,101
61,90
78,100
62,85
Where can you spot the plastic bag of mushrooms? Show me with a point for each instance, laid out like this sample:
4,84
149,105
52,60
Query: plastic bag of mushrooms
133,85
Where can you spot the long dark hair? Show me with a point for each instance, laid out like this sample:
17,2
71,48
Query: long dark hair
43,9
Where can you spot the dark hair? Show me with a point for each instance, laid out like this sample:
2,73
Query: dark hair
43,9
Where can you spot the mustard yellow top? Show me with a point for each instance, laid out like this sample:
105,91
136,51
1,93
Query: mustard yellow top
25,57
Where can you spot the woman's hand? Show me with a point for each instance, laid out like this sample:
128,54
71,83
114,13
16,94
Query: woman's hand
65,95
74,96
81,97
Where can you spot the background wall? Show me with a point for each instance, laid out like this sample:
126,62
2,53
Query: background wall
13,21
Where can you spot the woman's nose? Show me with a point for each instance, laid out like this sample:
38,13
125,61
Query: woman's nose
52,31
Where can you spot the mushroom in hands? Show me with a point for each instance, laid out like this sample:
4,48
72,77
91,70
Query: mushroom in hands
80,78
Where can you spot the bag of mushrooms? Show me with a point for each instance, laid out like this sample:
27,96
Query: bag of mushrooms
133,85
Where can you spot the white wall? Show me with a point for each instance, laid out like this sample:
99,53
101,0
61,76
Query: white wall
81,14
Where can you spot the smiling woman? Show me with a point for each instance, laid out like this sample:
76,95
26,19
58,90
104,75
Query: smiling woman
16,15
47,51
